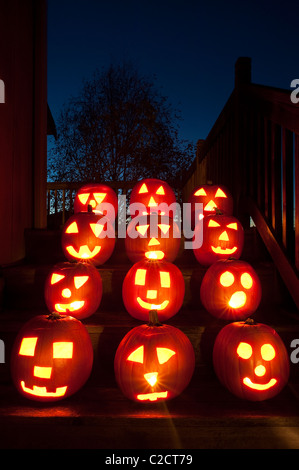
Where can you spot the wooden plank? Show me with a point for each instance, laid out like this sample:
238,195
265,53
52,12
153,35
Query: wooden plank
297,201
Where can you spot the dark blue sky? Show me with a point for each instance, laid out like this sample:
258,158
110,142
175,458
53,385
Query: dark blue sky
191,47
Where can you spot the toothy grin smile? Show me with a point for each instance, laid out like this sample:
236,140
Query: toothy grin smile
42,391
226,251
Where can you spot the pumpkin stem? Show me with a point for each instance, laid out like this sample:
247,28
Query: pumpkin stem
249,321
153,318
218,211
54,316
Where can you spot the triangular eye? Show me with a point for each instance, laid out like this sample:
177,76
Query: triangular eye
137,355
160,190
79,281
99,197
56,278
164,354
233,226
200,192
213,223
97,229
142,229
220,193
83,198
164,228
73,228
143,189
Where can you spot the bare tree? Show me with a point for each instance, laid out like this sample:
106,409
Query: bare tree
119,128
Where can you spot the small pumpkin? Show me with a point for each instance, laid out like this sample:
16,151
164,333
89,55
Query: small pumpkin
88,236
154,362
222,238
250,360
73,289
100,197
52,357
231,290
153,285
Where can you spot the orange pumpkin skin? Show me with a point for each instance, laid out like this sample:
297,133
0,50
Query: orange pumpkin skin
150,192
231,290
73,289
97,196
223,237
152,237
153,285
154,363
250,360
38,375
82,238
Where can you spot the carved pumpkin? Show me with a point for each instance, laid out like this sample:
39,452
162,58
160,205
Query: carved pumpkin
154,362
87,236
152,237
52,357
212,197
223,237
153,285
151,192
231,290
98,196
250,360
73,289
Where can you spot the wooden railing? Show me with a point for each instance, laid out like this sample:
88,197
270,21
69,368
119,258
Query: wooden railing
253,149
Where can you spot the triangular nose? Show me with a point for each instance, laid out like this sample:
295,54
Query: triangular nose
153,242
151,378
210,206
224,236
152,202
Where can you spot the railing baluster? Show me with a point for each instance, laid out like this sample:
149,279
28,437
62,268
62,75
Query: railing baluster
297,201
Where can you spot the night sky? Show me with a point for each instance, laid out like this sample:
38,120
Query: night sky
190,46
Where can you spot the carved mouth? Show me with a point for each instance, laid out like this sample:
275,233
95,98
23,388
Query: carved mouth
238,299
84,252
154,396
155,254
149,306
73,306
255,386
42,391
224,251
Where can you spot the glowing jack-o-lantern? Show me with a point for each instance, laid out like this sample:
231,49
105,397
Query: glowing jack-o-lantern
151,192
97,196
152,237
154,362
153,285
87,236
52,357
231,290
250,360
223,237
212,197
73,289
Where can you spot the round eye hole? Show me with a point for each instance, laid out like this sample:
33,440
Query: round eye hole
246,281
244,350
267,352
227,279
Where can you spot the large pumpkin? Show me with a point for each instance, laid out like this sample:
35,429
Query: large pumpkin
100,197
52,357
231,290
150,193
154,362
153,237
213,197
153,285
222,238
88,236
73,289
250,360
